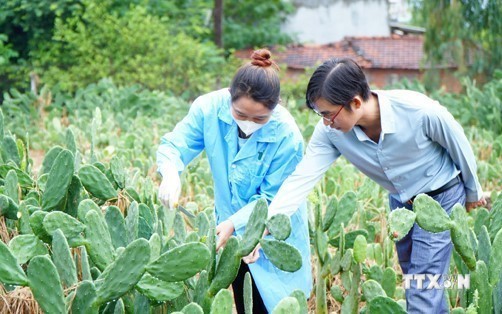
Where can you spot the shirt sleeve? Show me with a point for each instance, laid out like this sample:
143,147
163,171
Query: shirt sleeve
442,128
321,153
185,141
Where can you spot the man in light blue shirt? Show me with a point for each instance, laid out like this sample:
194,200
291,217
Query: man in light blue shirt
404,141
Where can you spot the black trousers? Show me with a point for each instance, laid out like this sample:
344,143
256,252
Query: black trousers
238,288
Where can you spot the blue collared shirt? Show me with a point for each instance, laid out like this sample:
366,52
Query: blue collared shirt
421,148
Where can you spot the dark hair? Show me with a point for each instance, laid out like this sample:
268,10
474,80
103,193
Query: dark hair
258,79
337,81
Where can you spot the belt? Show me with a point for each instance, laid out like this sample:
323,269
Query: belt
442,189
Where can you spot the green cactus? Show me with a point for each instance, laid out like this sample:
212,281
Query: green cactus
203,224
495,266
360,245
335,263
26,246
279,226
482,219
11,186
146,221
347,260
299,295
73,198
228,267
24,218
24,179
132,222
460,236
8,207
495,222
124,273
350,237
389,280
58,182
45,285
288,305
117,168
158,290
430,215
254,227
400,221
36,224
85,206
96,182
346,208
85,268
282,254
484,245
321,245
329,215
180,263
222,303
116,226
61,256
211,244
192,308
200,292
385,305
85,297
320,291
49,159
71,227
248,294
9,150
479,281
99,243
336,293
155,246
10,272
372,289
457,310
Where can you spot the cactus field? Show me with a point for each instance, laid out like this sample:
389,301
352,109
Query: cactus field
82,230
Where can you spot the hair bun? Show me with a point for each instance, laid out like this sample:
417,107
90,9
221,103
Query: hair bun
261,58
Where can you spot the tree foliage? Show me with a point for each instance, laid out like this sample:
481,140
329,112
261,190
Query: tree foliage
466,31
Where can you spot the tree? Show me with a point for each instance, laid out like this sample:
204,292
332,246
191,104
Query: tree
466,31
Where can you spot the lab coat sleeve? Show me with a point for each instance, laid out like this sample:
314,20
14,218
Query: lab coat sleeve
287,157
321,153
442,128
185,141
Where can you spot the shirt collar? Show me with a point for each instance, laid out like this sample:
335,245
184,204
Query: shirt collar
387,115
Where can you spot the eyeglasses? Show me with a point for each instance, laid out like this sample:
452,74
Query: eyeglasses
326,117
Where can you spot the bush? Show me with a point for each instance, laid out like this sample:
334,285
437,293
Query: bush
133,48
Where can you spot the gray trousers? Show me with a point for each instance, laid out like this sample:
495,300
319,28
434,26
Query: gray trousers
422,252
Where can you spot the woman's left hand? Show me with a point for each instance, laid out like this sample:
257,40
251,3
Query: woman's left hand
253,256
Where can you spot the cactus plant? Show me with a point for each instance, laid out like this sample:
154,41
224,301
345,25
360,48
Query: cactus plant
460,236
116,226
288,305
46,285
248,294
96,182
400,222
372,289
63,260
58,181
279,226
254,227
10,272
222,303
83,303
282,254
426,208
228,267
99,243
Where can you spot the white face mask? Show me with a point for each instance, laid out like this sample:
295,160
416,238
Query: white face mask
248,127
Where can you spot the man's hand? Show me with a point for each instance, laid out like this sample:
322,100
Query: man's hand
253,256
224,231
471,205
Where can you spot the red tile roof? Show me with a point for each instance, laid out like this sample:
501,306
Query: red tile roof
394,52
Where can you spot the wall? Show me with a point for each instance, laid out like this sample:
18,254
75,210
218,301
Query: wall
326,21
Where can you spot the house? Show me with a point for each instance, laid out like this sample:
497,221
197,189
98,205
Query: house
384,59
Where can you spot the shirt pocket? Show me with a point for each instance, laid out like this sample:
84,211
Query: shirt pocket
247,177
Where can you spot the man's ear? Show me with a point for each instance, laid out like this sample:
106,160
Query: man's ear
357,102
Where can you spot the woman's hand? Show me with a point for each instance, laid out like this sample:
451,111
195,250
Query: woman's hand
253,256
224,231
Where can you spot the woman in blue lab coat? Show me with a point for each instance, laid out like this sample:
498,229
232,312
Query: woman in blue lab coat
252,144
